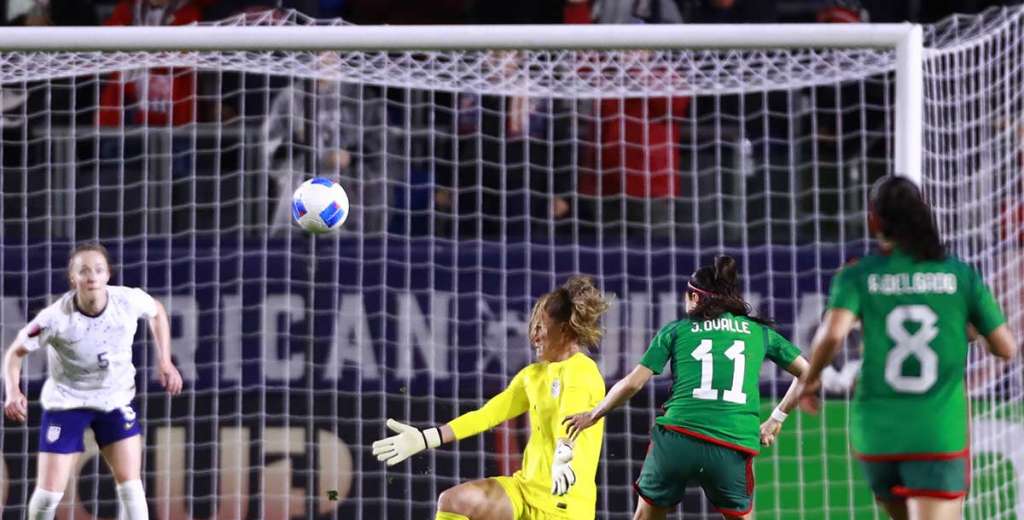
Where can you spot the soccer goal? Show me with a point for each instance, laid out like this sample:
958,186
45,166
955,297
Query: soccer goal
484,166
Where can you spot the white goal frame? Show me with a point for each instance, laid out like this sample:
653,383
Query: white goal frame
907,40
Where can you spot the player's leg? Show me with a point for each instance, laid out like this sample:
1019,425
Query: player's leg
934,489
60,442
932,508
124,457
668,467
883,477
484,499
125,460
648,511
53,472
897,509
727,480
120,439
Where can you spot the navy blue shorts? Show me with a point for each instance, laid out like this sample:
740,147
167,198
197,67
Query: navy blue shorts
61,431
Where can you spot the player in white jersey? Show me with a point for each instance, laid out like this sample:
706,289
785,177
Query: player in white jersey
91,381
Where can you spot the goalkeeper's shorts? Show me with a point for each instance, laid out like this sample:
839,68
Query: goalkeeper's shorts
533,504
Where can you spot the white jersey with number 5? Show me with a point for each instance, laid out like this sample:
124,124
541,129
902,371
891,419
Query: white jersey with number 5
90,357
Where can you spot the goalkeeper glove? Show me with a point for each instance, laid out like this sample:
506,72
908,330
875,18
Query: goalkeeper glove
562,475
409,441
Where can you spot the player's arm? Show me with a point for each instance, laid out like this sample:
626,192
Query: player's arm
797,368
1001,342
827,342
621,393
987,318
15,402
653,362
843,307
160,327
511,402
771,427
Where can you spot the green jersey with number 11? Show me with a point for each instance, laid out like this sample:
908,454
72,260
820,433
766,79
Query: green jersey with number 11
910,397
717,366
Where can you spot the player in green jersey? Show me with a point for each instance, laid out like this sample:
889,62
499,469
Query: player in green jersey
916,305
709,432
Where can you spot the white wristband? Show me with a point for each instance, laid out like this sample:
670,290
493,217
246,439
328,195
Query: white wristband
779,415
431,437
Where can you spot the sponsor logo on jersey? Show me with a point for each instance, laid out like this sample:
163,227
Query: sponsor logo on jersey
556,387
52,433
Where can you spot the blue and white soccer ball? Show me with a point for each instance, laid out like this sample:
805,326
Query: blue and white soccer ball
320,205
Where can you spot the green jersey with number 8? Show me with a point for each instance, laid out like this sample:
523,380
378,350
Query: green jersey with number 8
717,364
910,397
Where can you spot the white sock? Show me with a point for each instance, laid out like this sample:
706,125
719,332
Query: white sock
133,500
43,504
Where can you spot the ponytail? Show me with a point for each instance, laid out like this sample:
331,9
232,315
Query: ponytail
719,290
904,218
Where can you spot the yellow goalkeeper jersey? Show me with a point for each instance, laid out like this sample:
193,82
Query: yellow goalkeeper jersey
550,392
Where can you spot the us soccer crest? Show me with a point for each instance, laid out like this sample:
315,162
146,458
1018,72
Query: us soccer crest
52,433
555,388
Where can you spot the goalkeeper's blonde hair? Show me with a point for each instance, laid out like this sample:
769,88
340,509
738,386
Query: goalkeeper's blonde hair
577,306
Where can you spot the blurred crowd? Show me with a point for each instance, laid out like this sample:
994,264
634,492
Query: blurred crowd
499,166
92,12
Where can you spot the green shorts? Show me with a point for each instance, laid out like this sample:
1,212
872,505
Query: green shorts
674,460
899,479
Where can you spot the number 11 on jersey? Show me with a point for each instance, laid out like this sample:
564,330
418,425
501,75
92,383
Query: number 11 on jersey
707,368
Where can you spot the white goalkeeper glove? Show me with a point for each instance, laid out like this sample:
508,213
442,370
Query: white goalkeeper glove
562,475
409,441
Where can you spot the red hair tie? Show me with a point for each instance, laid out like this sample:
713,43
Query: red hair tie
700,291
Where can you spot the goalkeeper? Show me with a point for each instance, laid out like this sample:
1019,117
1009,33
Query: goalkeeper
557,479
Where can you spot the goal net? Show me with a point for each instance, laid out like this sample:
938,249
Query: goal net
973,153
479,180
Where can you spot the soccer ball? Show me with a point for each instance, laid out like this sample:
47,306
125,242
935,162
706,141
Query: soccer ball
320,205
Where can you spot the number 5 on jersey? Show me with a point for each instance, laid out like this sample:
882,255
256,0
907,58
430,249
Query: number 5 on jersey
707,369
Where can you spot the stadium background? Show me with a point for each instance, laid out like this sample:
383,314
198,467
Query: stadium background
294,351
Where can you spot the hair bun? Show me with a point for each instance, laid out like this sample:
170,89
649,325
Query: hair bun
578,287
725,269
578,304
